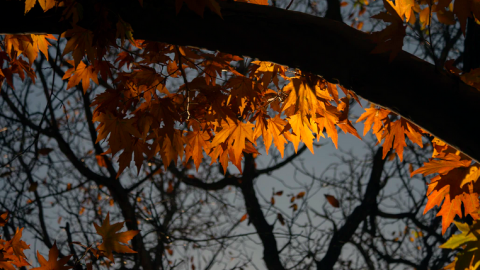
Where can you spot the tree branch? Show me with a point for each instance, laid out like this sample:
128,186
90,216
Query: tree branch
408,85
344,234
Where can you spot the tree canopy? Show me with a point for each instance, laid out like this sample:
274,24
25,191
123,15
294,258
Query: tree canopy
200,79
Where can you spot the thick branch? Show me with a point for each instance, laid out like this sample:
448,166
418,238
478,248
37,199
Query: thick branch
409,86
264,230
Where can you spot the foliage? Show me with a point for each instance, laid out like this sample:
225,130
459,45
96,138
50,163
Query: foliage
224,110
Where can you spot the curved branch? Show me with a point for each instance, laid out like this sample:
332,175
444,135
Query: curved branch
408,85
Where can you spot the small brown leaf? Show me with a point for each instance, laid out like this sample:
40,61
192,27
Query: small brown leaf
170,187
3,218
45,151
272,200
33,187
292,199
332,201
279,193
300,195
294,206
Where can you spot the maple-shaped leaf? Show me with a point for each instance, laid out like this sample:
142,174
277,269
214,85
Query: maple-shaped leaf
82,73
442,166
8,259
449,210
45,4
21,67
53,263
469,258
302,128
235,133
80,42
197,142
394,135
121,128
270,128
404,8
137,148
458,240
18,244
267,72
41,42
446,187
327,117
304,96
464,9
391,38
376,117
113,241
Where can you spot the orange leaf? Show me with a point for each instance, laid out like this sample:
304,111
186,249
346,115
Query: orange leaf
442,166
450,209
81,73
112,239
332,201
300,195
3,218
52,263
244,217
235,133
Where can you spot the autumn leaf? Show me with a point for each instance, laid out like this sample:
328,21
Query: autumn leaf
442,166
18,244
3,218
82,73
391,38
332,201
235,133
45,151
244,217
468,239
449,210
376,117
53,263
80,42
113,240
300,194
197,143
122,128
302,128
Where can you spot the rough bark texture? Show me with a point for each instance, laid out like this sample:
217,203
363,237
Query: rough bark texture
409,86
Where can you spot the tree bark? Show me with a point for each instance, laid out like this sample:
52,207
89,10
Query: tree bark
439,103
